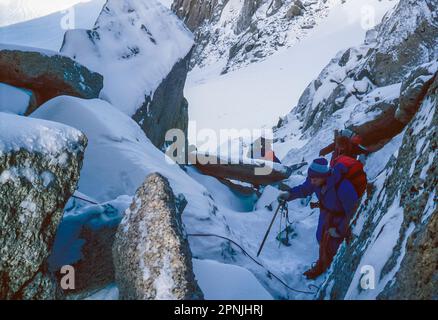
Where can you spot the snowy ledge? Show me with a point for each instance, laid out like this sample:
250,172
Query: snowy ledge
46,137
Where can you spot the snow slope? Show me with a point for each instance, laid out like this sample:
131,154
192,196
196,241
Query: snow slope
118,156
117,160
229,282
257,95
42,24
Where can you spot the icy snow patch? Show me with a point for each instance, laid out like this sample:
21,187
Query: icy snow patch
228,283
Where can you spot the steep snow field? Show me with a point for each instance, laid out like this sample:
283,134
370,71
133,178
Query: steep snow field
257,95
42,24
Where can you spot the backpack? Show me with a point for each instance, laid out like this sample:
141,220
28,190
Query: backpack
356,174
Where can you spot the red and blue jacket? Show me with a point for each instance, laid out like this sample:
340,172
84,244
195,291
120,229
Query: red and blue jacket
337,196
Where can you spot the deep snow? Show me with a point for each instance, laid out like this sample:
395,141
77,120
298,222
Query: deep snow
134,45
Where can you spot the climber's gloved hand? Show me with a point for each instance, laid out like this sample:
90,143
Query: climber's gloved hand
334,233
283,196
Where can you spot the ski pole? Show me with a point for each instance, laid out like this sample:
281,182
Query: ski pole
270,226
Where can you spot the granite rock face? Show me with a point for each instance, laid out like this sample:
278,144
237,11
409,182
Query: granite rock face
394,54
151,254
47,75
401,210
39,171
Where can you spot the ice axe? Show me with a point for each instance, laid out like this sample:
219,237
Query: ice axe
280,204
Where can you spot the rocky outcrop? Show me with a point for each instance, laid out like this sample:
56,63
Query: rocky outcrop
393,116
47,75
152,257
167,108
195,12
396,226
404,41
40,163
239,33
128,39
407,39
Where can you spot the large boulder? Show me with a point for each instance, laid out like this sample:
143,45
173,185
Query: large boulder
168,108
40,163
128,39
152,258
47,74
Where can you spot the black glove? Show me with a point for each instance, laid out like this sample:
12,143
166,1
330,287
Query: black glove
283,196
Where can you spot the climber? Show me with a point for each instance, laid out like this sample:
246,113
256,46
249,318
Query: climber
346,142
338,200
264,151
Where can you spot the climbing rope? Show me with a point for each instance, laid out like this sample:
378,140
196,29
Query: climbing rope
270,273
241,248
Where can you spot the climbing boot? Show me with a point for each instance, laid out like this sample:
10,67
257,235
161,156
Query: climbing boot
314,272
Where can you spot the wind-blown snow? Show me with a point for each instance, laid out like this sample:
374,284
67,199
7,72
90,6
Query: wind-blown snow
134,45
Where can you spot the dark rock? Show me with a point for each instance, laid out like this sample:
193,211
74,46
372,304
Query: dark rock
48,75
294,11
246,14
195,12
413,90
401,46
167,109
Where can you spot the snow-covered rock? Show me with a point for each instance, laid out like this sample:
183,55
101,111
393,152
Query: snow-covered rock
47,74
142,49
391,102
390,52
396,234
39,170
152,258
118,151
119,155
336,99
228,283
236,33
